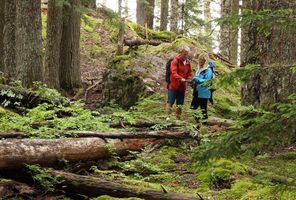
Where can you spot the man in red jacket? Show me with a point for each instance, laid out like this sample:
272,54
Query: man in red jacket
180,72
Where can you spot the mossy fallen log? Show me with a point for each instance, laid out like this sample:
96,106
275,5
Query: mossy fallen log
139,41
93,186
113,135
15,153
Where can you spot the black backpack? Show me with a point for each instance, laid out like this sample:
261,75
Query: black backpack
168,70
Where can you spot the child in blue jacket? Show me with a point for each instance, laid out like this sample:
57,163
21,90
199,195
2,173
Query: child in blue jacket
202,93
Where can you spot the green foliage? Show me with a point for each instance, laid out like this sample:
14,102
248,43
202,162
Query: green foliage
257,131
105,197
192,20
10,94
46,180
218,174
264,20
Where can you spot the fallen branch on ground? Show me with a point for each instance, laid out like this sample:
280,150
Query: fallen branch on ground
14,153
92,187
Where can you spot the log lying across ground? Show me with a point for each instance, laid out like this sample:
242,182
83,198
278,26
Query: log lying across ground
14,153
113,135
212,121
93,187
139,41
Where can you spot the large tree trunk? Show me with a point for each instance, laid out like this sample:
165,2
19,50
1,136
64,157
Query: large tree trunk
150,13
275,52
53,44
2,11
70,75
208,26
14,153
28,42
174,18
164,15
141,16
228,34
9,40
93,187
145,12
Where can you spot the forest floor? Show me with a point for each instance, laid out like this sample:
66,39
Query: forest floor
174,165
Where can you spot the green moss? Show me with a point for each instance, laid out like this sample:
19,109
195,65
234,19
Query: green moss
136,29
105,197
219,173
287,155
90,24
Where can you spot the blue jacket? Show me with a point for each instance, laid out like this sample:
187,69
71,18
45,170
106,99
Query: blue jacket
201,78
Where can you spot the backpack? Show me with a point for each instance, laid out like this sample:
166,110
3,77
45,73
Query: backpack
168,70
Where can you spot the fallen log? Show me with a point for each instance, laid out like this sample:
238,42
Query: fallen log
15,153
139,41
12,135
215,121
113,135
93,187
125,135
16,98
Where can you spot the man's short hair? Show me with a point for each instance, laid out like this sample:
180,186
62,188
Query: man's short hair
184,48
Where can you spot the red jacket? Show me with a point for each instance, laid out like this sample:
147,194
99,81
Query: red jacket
179,71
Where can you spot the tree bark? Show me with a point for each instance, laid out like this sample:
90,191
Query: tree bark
70,75
150,13
14,153
174,18
93,187
228,34
145,12
9,40
120,42
53,44
28,42
164,15
2,14
275,53
208,26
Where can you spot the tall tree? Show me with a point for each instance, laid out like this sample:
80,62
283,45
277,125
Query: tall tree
28,42
53,43
274,50
9,39
228,34
174,18
126,8
145,12
2,9
70,75
120,43
208,18
164,12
